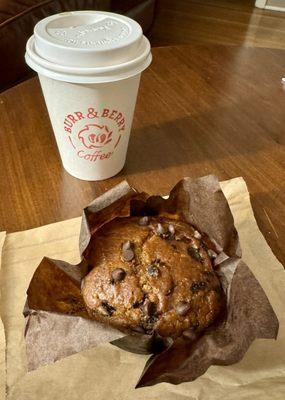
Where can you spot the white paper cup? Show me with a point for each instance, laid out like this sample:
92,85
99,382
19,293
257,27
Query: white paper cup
89,66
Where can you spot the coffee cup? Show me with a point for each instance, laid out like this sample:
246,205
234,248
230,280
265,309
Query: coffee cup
89,65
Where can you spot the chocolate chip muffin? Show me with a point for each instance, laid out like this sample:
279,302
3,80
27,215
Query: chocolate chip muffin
151,274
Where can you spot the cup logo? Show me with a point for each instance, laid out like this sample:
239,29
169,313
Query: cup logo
94,134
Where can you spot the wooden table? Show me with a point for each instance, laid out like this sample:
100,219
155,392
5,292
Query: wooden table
201,110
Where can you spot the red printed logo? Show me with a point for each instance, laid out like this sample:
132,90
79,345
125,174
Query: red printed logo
97,139
95,136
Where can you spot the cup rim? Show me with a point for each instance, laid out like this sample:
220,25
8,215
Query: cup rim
88,75
30,51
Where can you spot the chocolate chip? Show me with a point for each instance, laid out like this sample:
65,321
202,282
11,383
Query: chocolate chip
153,271
148,327
144,221
153,319
182,308
148,308
136,304
127,245
149,322
174,246
189,334
160,229
109,309
128,255
197,235
170,234
212,253
118,275
194,253
138,329
196,286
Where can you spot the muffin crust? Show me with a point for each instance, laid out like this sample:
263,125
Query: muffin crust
151,274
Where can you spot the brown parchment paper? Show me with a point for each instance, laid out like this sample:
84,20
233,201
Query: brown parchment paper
109,372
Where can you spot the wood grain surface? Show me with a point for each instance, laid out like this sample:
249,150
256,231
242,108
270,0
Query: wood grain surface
201,110
234,22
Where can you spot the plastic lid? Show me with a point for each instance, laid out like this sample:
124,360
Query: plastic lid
88,46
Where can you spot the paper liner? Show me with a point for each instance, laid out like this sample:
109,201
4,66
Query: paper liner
55,287
248,314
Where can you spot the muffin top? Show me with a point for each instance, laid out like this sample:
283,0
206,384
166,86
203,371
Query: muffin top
151,274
